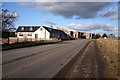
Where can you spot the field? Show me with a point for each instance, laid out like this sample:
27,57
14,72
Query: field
19,43
13,40
109,48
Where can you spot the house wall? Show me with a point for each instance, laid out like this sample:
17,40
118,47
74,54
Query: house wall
25,34
42,33
75,34
89,36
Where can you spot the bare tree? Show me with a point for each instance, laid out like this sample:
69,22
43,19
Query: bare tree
8,20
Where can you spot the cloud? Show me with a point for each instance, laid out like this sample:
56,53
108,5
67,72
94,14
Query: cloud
46,21
59,1
93,26
69,10
110,13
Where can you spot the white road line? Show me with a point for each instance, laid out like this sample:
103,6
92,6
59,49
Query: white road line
85,52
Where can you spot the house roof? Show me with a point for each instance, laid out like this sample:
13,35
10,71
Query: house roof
27,28
34,28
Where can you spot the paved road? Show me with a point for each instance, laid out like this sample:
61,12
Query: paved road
40,61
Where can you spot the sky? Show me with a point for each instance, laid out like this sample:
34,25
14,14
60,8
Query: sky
89,17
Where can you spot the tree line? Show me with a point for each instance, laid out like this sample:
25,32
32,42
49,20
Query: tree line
103,36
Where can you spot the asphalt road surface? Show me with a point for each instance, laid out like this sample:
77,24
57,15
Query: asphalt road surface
43,61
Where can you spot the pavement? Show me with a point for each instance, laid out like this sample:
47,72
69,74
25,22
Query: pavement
43,61
89,65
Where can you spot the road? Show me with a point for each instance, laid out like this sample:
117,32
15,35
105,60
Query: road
43,61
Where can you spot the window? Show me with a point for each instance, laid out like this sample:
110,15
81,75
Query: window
31,28
53,35
22,28
41,29
30,34
20,34
75,35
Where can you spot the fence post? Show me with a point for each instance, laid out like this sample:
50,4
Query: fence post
8,36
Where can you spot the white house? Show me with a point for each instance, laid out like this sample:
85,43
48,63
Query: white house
41,32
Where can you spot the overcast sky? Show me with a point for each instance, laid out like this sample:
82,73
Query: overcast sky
95,17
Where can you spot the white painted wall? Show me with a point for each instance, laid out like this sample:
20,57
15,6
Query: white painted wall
25,34
42,33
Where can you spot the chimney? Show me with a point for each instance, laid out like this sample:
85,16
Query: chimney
57,28
51,26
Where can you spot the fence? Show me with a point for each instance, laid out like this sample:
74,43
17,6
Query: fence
12,40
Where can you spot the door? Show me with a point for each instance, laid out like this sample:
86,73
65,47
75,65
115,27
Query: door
36,35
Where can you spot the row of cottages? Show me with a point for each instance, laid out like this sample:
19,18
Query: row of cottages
77,34
40,32
89,35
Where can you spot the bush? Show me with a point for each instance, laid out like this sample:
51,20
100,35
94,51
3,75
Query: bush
104,35
97,36
8,34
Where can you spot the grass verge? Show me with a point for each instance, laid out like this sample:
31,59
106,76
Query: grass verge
109,49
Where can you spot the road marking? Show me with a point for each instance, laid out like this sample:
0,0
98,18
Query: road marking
82,56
